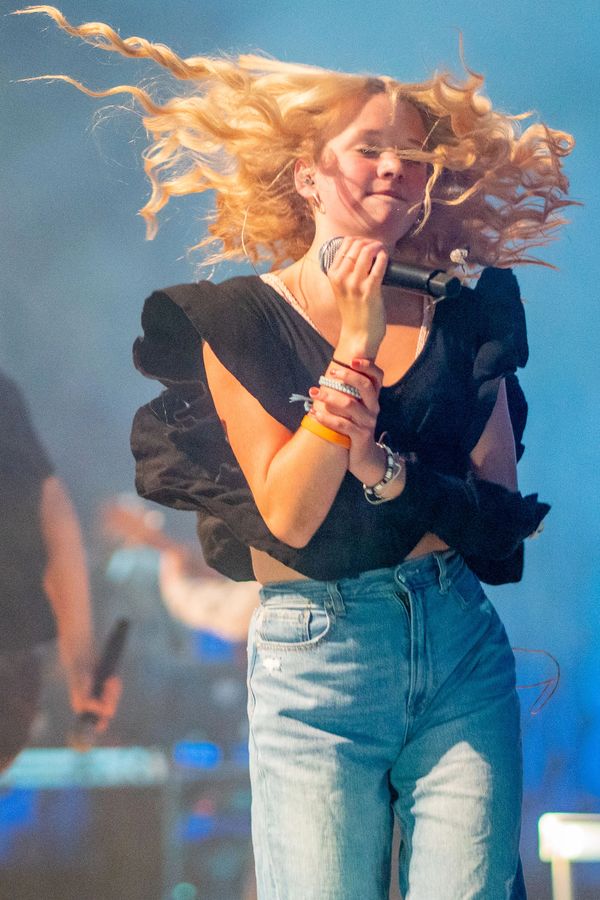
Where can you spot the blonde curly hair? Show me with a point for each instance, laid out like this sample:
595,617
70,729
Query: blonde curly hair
242,124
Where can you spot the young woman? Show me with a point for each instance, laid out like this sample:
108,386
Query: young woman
349,444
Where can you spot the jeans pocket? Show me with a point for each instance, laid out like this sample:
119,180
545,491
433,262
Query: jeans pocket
292,626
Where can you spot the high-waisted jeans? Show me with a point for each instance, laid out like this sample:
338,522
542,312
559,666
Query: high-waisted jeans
392,692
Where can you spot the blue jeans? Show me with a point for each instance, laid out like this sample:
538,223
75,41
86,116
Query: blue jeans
392,692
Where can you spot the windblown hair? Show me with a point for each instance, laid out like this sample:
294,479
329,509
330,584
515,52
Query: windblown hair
241,124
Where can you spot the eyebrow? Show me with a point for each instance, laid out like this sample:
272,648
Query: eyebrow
374,135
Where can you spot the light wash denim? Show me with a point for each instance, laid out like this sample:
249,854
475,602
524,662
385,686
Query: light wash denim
392,692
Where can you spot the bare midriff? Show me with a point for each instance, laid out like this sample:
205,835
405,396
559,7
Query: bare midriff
267,569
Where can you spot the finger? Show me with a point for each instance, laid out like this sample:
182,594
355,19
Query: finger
367,261
349,253
342,425
334,403
342,256
370,370
106,705
336,422
113,688
352,377
369,392
378,266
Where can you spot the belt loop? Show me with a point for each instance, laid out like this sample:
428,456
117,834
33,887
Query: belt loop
400,578
444,580
336,602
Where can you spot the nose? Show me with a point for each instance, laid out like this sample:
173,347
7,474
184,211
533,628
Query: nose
390,165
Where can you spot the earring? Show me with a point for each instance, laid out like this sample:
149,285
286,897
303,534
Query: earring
318,203
417,223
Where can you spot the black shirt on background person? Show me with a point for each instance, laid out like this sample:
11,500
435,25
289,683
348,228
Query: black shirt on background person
44,592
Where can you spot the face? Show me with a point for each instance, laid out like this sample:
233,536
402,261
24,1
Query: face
365,188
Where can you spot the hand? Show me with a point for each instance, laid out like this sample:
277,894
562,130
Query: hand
104,707
355,277
353,417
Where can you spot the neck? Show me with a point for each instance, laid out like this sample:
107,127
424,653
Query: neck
309,279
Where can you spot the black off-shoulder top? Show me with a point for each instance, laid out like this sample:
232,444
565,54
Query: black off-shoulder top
437,410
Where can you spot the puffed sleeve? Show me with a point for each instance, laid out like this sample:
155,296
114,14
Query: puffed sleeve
484,521
183,458
500,348
232,320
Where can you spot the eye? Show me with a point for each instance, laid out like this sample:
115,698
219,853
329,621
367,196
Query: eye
369,152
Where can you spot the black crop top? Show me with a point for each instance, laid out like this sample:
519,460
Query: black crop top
437,410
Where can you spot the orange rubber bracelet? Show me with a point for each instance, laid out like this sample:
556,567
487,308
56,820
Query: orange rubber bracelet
328,434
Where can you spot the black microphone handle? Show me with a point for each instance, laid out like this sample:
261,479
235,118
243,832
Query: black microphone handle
111,654
437,283
83,735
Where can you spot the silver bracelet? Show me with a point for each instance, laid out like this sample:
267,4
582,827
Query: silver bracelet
394,467
340,386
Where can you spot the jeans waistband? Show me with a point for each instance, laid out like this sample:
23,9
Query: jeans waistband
412,573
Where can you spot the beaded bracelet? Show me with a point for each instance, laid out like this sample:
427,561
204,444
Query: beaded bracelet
394,466
341,386
328,434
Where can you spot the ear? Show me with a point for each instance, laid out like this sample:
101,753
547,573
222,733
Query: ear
303,179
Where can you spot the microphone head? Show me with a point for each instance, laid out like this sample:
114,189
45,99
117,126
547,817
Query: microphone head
328,251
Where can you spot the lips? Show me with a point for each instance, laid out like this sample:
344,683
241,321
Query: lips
390,194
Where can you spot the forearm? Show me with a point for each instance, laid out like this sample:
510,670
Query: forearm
474,516
66,579
294,477
67,586
300,485
212,604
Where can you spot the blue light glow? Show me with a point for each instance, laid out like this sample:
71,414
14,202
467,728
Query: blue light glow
197,755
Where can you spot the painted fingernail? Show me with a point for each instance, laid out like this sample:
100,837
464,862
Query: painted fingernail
313,392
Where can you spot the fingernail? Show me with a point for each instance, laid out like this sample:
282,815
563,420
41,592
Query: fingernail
313,392
333,370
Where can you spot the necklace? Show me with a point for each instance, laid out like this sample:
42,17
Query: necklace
426,320
283,290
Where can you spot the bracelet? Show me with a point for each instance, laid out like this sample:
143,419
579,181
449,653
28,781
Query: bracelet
338,362
344,365
394,466
328,434
340,386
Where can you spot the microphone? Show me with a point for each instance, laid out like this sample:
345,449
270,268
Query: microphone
437,283
83,736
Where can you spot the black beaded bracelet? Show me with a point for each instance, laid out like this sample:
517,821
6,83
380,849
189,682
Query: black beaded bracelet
394,465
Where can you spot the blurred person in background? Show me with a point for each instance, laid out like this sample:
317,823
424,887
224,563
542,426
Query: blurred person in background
44,590
193,593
